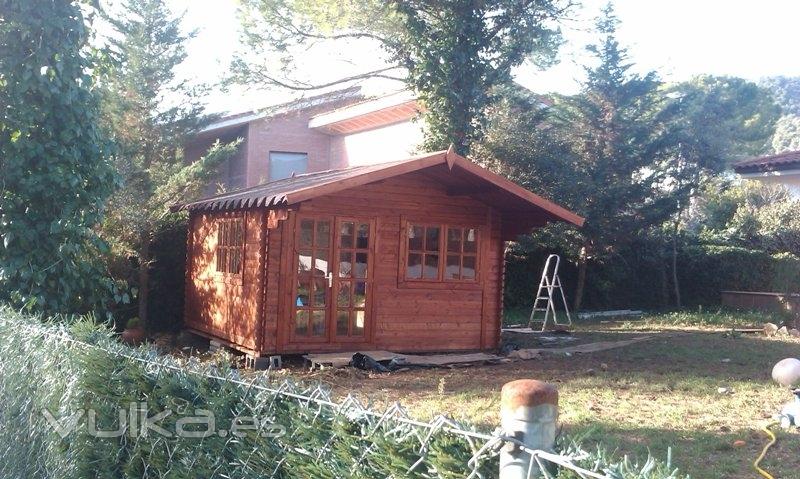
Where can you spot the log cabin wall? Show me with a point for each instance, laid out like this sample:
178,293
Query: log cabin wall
222,304
405,315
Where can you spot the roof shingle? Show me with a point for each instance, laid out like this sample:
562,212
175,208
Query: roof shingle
781,161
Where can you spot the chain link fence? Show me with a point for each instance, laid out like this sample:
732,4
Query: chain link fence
75,378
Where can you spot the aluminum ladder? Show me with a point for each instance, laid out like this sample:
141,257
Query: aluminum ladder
548,285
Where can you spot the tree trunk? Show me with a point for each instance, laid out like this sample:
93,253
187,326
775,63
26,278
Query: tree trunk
664,282
144,279
675,282
579,288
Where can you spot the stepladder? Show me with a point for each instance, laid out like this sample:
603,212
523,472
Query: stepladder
548,295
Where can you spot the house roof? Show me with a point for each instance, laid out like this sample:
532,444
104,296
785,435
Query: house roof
368,114
788,160
242,118
522,209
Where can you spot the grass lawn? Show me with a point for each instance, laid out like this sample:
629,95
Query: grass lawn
651,395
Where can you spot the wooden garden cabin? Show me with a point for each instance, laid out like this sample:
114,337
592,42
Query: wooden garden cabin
404,256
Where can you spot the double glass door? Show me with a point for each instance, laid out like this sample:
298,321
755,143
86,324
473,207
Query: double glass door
333,276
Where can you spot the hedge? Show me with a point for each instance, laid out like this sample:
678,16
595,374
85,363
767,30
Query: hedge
63,368
640,277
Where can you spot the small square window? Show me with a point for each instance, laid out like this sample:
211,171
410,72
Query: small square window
285,164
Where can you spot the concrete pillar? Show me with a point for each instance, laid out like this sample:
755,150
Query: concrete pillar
529,413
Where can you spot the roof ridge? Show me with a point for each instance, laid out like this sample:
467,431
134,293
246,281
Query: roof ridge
770,156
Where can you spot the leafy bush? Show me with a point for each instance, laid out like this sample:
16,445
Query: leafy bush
704,271
63,368
640,277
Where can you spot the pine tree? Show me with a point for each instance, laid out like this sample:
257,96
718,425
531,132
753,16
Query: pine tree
614,130
153,112
54,170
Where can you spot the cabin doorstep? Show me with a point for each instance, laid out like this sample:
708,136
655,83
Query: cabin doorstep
403,256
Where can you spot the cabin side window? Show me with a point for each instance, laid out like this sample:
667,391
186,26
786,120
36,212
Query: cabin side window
230,245
440,252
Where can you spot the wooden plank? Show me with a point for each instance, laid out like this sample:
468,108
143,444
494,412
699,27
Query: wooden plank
342,359
580,348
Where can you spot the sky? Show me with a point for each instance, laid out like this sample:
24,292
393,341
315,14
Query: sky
676,38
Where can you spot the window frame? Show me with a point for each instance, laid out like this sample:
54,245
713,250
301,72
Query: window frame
232,222
440,281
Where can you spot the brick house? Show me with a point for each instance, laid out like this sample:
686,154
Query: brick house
331,131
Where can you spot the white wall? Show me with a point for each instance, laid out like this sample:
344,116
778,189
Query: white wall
790,178
379,145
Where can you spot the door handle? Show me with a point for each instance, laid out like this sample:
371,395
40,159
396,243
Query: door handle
329,276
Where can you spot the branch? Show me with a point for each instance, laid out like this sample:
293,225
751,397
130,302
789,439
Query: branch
339,36
300,86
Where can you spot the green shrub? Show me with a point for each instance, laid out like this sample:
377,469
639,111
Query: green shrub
640,276
704,271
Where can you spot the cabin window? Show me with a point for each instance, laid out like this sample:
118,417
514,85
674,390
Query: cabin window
284,164
462,253
230,245
441,252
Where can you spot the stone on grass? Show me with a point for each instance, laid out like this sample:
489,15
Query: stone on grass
770,329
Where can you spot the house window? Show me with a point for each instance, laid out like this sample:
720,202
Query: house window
285,164
230,243
441,252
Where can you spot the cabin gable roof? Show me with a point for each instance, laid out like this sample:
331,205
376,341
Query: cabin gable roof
460,176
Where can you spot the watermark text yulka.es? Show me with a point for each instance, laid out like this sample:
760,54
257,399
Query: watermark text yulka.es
138,421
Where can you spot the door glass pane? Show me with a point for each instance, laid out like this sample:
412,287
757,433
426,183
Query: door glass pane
360,294
468,271
304,261
306,233
346,233
318,322
361,265
303,293
342,318
470,240
346,264
362,236
432,238
358,323
454,240
320,292
321,263
301,322
415,237
453,267
414,269
323,234
343,298
431,270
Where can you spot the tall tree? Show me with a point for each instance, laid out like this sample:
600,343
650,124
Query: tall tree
614,128
152,111
713,122
452,54
54,170
787,94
